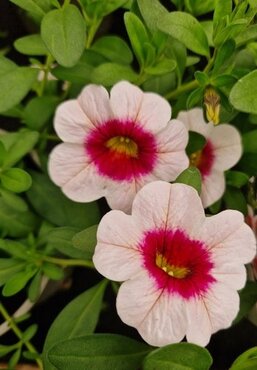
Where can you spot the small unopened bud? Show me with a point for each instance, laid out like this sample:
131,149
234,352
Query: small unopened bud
212,105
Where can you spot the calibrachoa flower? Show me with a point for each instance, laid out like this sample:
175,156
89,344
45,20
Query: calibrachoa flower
181,269
222,151
114,145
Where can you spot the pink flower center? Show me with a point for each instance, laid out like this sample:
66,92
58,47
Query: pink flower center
121,150
203,159
177,263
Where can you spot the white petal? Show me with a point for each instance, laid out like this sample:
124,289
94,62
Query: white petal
228,238
213,312
230,274
213,187
116,255
126,100
226,141
70,122
172,158
94,101
154,112
120,195
194,121
160,204
70,168
159,317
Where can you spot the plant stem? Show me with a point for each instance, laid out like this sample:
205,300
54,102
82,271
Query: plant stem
192,84
92,31
19,333
68,262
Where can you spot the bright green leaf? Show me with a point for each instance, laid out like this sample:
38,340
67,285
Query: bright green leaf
30,6
246,361
243,95
31,45
18,281
14,201
14,86
162,67
185,28
34,289
8,268
79,317
16,180
109,73
196,142
191,176
63,31
236,178
39,110
153,12
52,271
113,48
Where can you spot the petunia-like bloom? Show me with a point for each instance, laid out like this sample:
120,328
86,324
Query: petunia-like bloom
222,151
180,270
115,144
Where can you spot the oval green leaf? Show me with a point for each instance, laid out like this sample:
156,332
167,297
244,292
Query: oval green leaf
192,177
99,351
64,33
31,45
16,180
243,95
181,356
185,28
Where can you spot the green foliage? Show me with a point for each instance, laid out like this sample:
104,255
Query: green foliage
85,241
191,176
248,297
110,73
78,318
187,29
246,361
113,48
234,199
15,85
178,357
99,351
48,200
243,94
38,111
64,34
31,45
16,180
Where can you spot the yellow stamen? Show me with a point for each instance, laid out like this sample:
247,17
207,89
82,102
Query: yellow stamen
195,158
123,145
212,105
178,272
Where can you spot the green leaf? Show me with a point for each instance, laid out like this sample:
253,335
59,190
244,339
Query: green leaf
223,80
61,239
248,164
180,356
222,8
191,176
113,48
14,86
248,297
195,97
162,67
51,204
250,34
234,199
15,223
246,361
29,333
14,201
14,359
31,45
196,142
63,32
98,9
34,287
243,95
6,65
250,141
4,350
52,271
236,178
18,144
99,351
81,72
3,153
8,268
109,73
86,241
153,12
30,6
202,78
18,281
79,317
39,110
187,29
198,7
16,180
14,248
138,36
